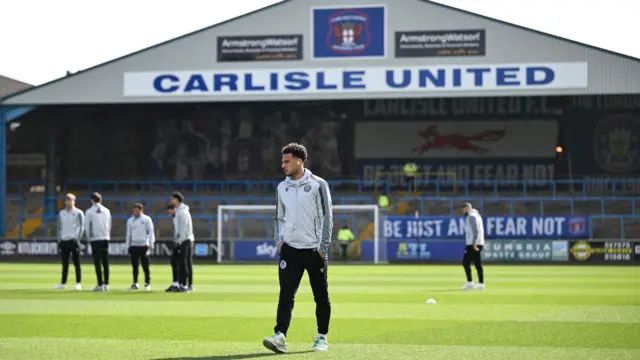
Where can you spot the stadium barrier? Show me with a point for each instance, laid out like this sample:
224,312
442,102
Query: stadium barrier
513,251
510,251
621,226
463,187
16,248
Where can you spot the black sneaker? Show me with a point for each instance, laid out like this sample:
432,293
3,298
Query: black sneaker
190,288
173,288
134,287
182,289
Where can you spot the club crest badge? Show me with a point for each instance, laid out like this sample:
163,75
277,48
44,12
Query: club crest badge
283,264
307,188
349,32
617,143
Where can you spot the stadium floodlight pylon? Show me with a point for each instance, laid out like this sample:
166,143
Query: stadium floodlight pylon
228,214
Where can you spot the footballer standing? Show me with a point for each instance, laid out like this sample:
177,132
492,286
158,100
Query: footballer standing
474,243
303,226
140,240
98,228
70,231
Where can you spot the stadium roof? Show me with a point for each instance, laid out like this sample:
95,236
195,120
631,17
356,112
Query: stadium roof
10,86
15,97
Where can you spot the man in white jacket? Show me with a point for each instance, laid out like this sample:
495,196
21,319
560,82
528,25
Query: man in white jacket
70,230
98,229
474,243
303,228
182,256
140,240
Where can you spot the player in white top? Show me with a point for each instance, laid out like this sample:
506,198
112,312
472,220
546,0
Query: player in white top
474,244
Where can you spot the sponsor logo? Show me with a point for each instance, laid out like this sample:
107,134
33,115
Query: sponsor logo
413,250
617,143
349,32
520,250
434,140
37,248
260,48
440,43
560,250
266,249
7,248
581,250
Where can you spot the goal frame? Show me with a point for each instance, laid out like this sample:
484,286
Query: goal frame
371,207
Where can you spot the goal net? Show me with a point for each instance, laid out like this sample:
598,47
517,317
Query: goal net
245,233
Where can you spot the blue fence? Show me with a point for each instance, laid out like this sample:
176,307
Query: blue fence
434,205
581,187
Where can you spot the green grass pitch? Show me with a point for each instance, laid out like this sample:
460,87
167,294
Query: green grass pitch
379,312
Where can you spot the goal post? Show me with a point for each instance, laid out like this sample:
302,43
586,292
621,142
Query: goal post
245,232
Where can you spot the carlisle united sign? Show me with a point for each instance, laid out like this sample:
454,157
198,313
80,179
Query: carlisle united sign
356,80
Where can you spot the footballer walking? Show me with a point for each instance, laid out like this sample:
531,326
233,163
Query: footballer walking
70,231
140,240
474,244
303,227
98,229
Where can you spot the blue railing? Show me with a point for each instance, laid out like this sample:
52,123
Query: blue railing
580,187
434,205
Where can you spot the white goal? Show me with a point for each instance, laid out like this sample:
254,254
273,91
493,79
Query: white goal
245,232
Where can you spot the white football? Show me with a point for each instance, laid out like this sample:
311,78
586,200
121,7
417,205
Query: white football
431,301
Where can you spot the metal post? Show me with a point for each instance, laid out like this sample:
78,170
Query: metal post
51,178
3,173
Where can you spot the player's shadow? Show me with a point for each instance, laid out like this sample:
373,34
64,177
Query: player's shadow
237,356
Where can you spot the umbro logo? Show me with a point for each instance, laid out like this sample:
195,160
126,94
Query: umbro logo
7,248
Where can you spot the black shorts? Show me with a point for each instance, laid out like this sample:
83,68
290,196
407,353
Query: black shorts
69,245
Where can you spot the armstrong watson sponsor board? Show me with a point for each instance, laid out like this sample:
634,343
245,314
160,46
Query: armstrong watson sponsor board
458,150
260,48
440,43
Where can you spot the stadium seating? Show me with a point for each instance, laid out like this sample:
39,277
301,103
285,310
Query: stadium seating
614,216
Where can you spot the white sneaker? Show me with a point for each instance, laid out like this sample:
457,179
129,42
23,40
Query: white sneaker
78,286
147,287
60,287
320,344
468,286
105,287
480,286
134,287
276,343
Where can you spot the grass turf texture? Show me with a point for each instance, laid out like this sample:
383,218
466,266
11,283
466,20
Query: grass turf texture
379,312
